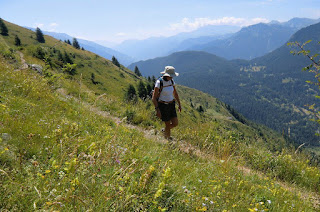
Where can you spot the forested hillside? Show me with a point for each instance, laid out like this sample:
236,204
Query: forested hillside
270,90
95,48
74,139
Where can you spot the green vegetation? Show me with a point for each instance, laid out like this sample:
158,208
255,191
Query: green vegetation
313,68
269,90
75,43
131,93
68,42
39,36
115,61
137,71
17,41
3,28
69,144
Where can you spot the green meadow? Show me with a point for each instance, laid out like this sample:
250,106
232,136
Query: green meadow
68,144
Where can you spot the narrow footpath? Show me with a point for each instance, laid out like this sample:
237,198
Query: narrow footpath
182,146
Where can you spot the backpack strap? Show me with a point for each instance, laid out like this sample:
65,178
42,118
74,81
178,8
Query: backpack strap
161,86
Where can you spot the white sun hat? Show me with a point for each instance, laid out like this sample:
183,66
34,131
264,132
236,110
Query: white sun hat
169,72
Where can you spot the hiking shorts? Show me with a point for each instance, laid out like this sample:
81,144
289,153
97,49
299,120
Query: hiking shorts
168,111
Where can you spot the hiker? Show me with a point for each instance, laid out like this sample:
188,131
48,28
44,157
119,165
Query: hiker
164,98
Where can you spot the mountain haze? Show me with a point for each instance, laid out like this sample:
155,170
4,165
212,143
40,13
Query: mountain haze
249,42
229,42
270,90
162,46
255,40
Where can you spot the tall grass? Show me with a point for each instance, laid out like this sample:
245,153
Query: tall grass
58,151
57,155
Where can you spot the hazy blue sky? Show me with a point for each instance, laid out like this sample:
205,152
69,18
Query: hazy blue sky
118,20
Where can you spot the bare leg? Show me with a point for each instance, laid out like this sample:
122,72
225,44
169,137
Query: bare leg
167,129
174,122
169,125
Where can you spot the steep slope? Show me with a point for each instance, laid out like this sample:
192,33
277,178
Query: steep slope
270,90
94,47
63,148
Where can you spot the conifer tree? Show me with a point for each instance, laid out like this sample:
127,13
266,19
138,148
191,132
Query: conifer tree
40,37
67,58
131,93
200,109
17,41
142,91
149,90
115,61
68,42
3,28
154,79
93,79
137,71
75,43
60,57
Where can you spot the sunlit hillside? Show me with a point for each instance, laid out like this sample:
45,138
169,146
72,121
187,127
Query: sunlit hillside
71,140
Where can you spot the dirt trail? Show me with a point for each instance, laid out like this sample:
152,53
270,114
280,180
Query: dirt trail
23,61
187,148
183,146
191,150
149,134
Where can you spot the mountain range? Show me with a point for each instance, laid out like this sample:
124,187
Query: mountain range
270,89
160,46
225,41
255,40
230,42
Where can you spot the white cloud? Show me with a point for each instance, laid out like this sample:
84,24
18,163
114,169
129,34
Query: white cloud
53,26
188,25
121,34
47,27
38,25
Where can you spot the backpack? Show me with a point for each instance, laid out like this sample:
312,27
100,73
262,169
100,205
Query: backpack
161,87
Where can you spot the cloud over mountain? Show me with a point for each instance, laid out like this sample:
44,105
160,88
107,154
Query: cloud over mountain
187,24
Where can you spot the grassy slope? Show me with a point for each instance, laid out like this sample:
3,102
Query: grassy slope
56,154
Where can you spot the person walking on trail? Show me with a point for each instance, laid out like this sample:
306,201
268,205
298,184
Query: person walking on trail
164,99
